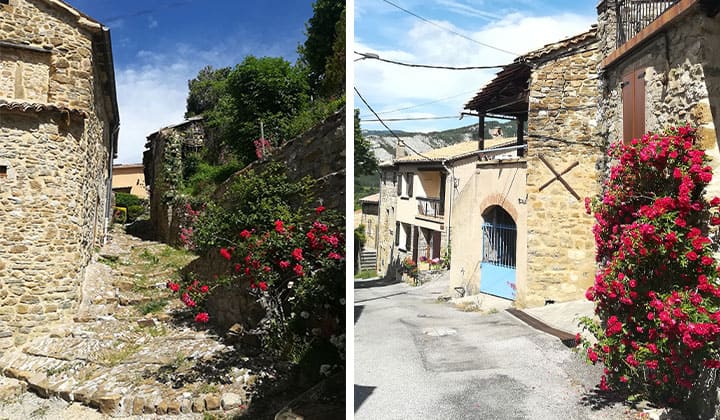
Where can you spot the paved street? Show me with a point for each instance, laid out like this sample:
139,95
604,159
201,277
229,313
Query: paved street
416,358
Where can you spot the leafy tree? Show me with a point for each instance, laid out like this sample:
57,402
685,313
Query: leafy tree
322,31
365,161
205,90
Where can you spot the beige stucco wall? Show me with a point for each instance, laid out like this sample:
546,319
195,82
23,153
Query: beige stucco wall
131,177
52,207
491,183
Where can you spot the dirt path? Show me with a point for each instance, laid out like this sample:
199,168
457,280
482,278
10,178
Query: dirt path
129,350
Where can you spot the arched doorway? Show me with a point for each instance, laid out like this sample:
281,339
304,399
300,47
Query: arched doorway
497,269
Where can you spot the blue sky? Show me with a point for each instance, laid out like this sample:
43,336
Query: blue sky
518,26
159,45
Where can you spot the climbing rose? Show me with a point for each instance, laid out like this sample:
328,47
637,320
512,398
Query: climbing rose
284,264
202,318
263,286
204,289
297,254
319,209
298,269
173,286
335,256
279,226
225,253
245,234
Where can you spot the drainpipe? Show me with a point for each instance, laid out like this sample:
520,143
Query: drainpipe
451,172
108,198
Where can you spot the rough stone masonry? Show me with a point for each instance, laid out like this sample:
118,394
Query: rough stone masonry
58,128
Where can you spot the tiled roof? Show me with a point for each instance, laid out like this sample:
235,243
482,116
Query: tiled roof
374,198
455,151
560,45
37,107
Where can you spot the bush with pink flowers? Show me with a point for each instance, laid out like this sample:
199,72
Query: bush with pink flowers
657,291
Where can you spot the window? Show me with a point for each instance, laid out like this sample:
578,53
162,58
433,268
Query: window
397,233
3,169
405,184
4,1
633,100
403,239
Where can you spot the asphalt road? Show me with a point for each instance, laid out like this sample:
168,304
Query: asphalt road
416,358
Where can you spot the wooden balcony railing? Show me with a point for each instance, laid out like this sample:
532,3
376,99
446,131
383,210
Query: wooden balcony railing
431,207
634,15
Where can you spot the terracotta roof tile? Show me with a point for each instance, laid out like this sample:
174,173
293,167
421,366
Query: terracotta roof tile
37,107
455,151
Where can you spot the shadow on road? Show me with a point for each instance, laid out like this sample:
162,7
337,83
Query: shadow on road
381,297
361,394
599,400
379,282
358,312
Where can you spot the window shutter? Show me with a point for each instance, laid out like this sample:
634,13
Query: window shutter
397,233
633,98
436,244
411,179
399,183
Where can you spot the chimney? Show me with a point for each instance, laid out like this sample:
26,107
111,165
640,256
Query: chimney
400,149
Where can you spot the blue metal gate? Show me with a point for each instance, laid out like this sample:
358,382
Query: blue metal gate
497,270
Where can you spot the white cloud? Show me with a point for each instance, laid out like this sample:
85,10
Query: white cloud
152,92
388,86
152,22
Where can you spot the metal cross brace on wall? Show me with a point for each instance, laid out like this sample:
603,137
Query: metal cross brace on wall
558,176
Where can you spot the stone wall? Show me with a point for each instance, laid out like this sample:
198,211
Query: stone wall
387,216
163,165
682,81
562,129
55,143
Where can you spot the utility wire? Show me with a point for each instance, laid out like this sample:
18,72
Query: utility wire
424,103
450,30
386,126
414,119
428,66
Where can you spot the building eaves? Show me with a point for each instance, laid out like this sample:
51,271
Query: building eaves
178,125
373,198
455,152
13,106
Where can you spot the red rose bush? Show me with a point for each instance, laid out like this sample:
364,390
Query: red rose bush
657,292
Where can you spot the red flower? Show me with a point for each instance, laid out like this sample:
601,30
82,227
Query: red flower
692,256
335,256
592,355
284,264
263,286
319,209
225,253
173,286
705,260
298,269
204,289
279,226
297,254
245,234
202,318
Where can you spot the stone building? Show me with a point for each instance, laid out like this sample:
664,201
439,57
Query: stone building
510,212
523,233
660,67
58,137
165,152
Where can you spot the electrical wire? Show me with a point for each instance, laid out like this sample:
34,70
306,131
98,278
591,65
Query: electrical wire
424,103
428,66
450,30
386,126
448,117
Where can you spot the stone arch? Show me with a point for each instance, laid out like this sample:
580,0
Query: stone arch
501,201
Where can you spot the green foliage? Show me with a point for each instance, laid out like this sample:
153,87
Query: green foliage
152,307
205,90
204,177
365,161
253,201
267,89
120,215
366,274
322,32
360,237
126,200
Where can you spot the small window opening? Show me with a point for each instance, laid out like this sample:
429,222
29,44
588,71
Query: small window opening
4,1
3,169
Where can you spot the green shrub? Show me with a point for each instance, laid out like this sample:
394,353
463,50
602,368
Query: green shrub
126,200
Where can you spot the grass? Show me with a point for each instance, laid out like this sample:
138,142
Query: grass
114,357
366,274
154,306
153,331
207,389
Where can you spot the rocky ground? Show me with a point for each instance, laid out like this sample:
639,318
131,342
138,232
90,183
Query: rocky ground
129,351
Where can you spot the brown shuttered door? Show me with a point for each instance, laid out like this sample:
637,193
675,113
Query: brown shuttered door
633,98
436,244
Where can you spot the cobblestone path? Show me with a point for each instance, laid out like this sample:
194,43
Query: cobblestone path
129,351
